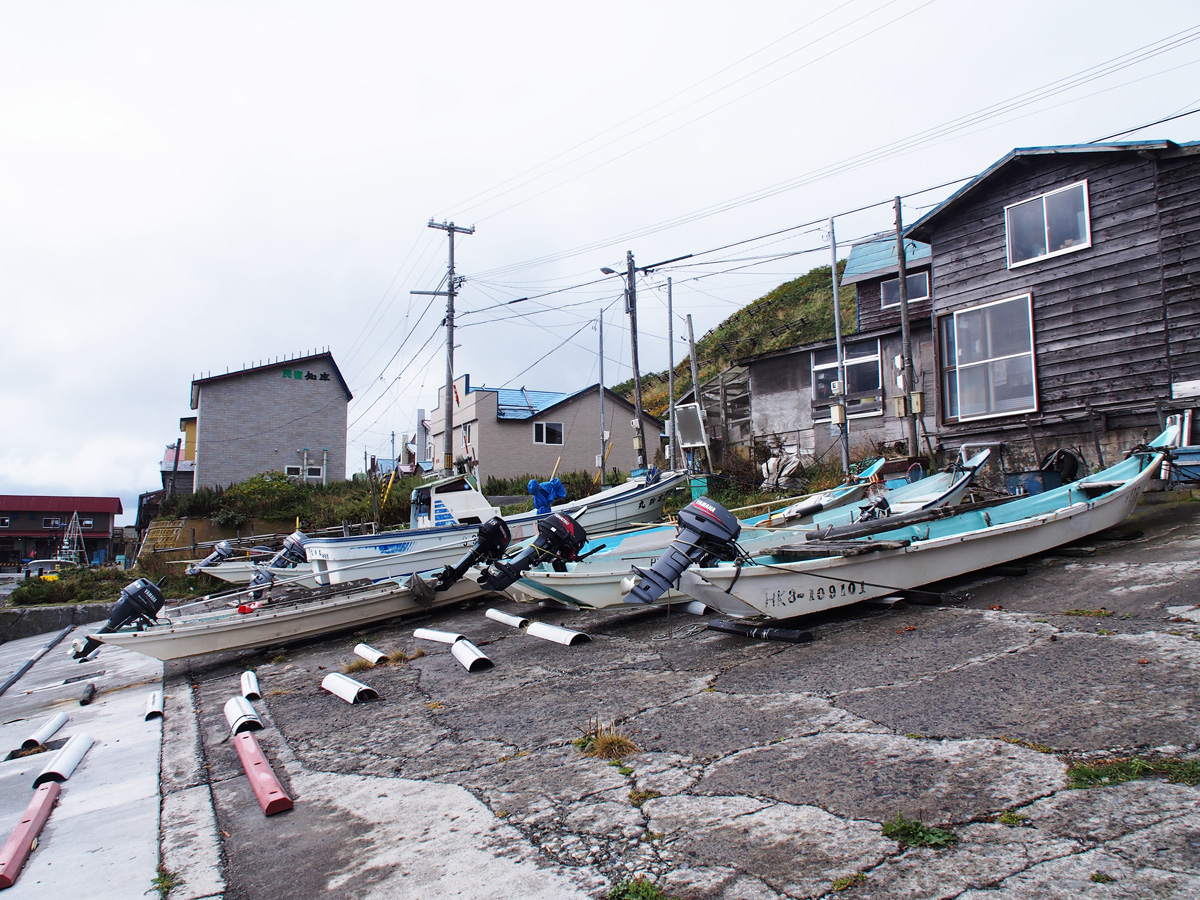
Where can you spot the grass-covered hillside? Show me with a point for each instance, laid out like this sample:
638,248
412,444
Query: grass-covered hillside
797,312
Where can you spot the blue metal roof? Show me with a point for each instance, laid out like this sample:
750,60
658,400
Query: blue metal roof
876,257
520,403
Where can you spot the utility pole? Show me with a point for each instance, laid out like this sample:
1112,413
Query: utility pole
600,328
840,400
673,436
696,393
908,379
631,308
451,285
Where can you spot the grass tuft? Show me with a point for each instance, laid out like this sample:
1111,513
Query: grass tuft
604,740
637,798
848,881
1101,878
357,665
637,888
1100,613
164,882
915,833
1105,773
1028,745
1012,819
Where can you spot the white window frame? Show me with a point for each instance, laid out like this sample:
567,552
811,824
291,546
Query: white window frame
540,431
821,407
5,521
87,522
293,471
1048,254
313,472
961,367
912,298
52,522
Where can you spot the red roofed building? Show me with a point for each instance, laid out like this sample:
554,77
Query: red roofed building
32,527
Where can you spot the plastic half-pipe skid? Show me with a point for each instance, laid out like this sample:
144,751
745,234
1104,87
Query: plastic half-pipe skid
347,688
241,715
267,789
48,730
20,843
506,618
556,633
370,654
65,761
472,658
154,706
250,686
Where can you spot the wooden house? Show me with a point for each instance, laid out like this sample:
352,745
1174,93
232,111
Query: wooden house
792,391
1066,297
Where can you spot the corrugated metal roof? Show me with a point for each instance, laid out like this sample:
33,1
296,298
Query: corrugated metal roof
877,257
34,503
521,403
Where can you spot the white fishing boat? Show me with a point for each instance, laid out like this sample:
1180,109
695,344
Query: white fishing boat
242,571
602,578
446,515
815,575
190,631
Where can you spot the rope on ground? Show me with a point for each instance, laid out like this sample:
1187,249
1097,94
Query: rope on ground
682,631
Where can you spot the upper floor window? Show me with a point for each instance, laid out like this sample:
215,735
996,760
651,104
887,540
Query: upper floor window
918,289
864,379
4,521
87,522
1049,225
994,367
52,522
547,433
948,366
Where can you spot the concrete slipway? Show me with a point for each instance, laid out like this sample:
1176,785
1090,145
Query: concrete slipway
764,771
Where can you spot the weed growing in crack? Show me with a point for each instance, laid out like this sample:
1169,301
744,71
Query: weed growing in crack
164,882
1100,613
1028,745
620,766
357,665
848,881
1013,819
400,656
604,740
1101,878
1105,773
637,888
637,798
915,833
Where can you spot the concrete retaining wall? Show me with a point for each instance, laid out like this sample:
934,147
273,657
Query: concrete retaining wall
27,621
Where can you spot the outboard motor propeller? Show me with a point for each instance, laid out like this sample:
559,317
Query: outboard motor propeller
289,555
707,532
138,604
559,540
222,550
490,543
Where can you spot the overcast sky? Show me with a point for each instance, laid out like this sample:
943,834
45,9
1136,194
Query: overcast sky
191,187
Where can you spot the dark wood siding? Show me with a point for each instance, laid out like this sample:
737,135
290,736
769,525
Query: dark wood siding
1099,314
873,314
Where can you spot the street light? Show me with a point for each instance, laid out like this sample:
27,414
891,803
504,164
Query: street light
639,441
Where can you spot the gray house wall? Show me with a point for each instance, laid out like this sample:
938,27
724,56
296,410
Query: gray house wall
782,398
259,421
504,448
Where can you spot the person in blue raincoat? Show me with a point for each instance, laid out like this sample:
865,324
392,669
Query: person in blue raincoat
546,492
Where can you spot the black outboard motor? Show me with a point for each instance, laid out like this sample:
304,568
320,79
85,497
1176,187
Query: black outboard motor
138,604
289,555
490,543
707,532
559,540
222,550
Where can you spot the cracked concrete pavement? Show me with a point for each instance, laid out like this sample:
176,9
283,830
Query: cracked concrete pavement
763,770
